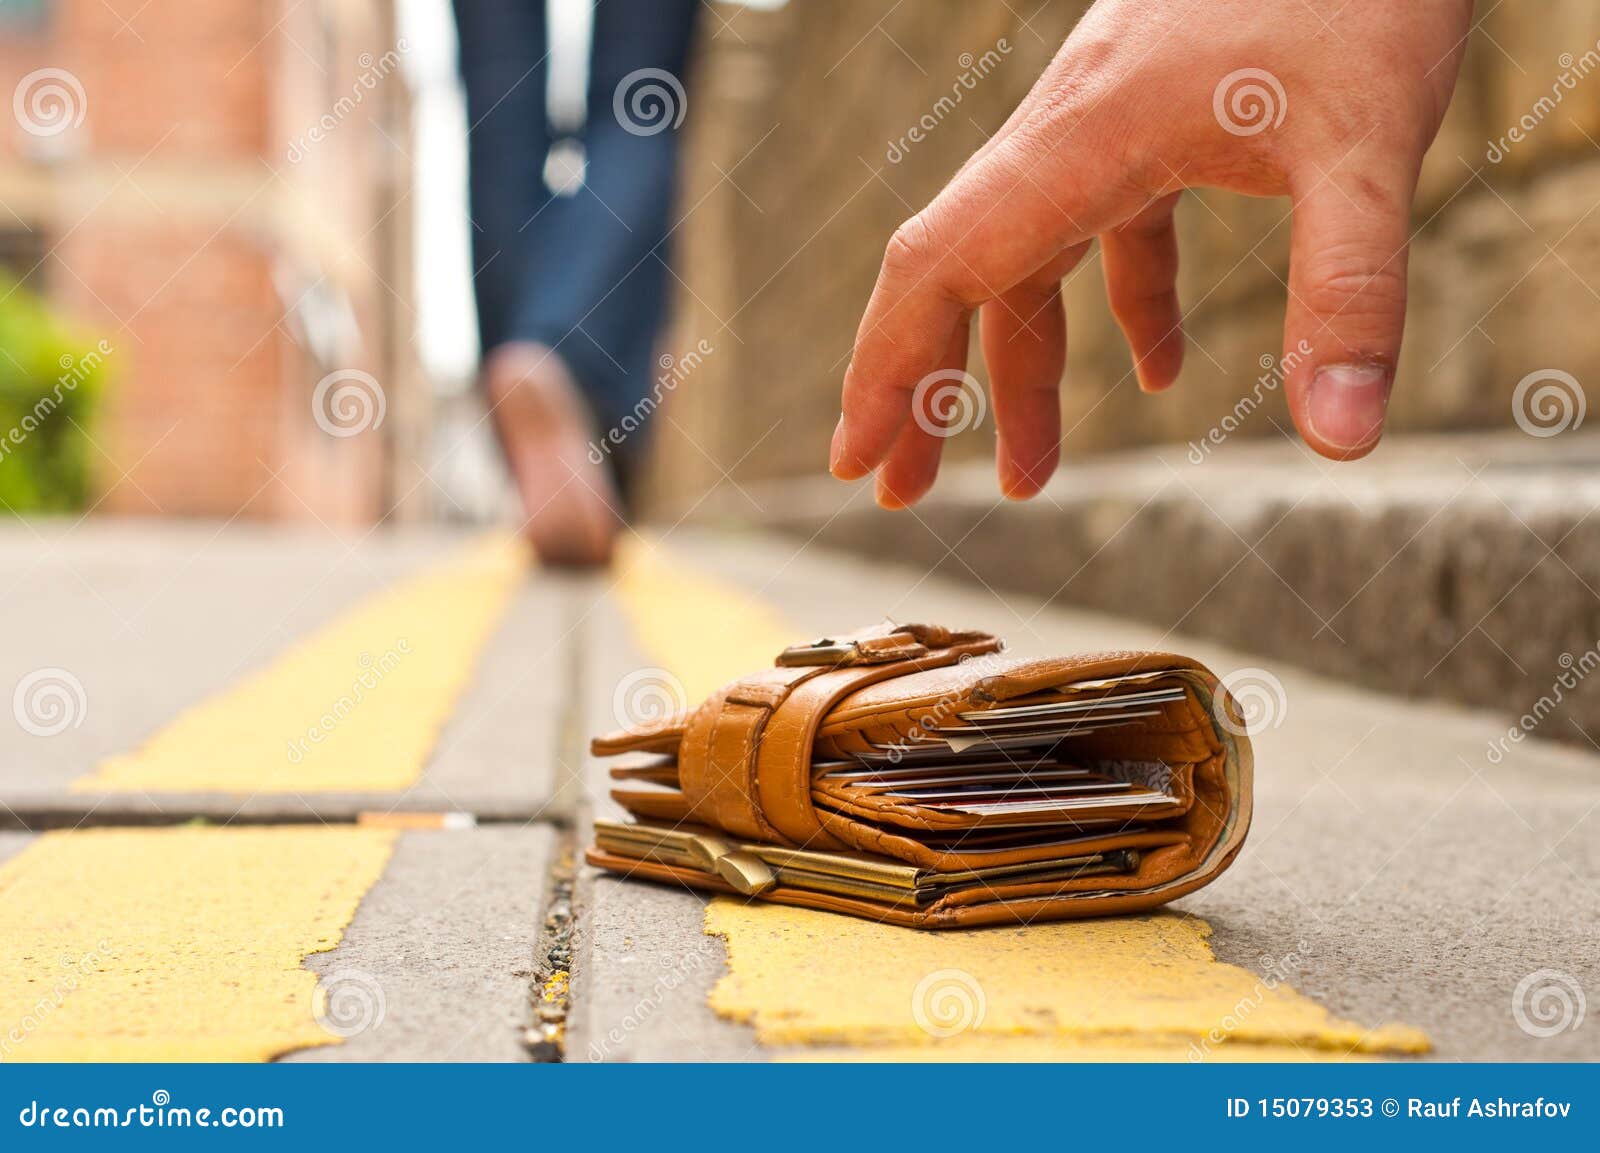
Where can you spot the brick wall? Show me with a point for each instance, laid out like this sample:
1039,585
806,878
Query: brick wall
229,275
800,108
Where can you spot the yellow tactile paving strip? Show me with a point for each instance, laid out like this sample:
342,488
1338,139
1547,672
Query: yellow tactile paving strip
174,944
355,707
1121,989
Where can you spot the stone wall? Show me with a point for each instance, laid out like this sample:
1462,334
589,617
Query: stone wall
801,167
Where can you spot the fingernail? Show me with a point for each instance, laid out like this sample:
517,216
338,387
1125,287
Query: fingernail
1345,404
836,452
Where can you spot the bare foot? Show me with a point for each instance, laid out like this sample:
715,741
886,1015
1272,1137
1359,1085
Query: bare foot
545,429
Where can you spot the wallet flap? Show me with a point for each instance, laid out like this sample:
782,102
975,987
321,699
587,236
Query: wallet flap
745,759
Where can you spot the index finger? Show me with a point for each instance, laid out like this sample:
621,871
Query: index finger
1000,220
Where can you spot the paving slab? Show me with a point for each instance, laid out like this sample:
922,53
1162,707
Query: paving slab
1411,864
642,964
134,622
438,963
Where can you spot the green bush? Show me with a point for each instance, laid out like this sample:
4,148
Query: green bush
51,380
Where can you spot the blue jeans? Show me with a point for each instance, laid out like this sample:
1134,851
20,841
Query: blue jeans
585,274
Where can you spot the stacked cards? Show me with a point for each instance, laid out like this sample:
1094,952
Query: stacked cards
1006,762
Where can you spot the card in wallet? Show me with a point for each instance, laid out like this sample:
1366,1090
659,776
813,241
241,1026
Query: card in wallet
915,774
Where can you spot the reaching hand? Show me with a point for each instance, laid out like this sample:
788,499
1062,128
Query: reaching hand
1330,104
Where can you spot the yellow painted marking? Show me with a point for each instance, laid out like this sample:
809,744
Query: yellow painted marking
1117,989
174,944
705,631
1138,986
356,707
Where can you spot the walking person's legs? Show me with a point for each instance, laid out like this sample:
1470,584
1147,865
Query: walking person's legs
610,240
538,408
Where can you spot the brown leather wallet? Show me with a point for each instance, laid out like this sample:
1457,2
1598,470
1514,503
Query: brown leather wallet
917,775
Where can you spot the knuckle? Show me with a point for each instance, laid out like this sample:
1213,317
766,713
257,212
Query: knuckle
1356,283
911,248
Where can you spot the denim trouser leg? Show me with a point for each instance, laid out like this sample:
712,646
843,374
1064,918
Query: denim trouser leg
592,275
503,50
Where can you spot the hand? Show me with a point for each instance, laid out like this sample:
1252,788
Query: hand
1145,99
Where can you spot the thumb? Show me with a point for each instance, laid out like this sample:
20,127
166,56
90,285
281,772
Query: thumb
1347,306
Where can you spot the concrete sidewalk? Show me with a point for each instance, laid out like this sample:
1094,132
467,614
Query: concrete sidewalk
1399,870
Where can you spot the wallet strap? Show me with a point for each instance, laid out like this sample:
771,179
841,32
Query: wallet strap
744,763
